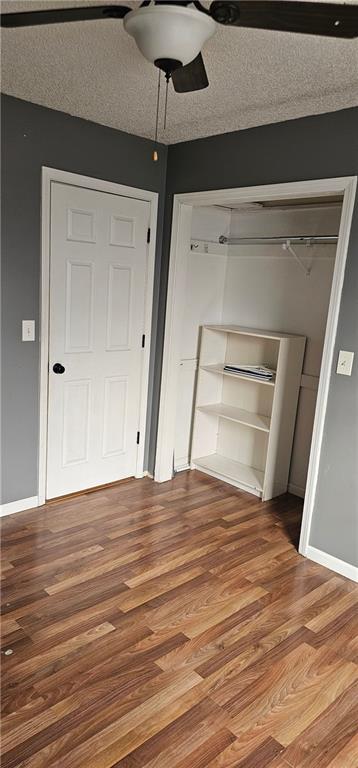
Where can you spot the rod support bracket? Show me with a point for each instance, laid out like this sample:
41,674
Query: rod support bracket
288,247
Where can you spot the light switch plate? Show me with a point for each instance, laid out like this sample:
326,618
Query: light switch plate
28,330
345,362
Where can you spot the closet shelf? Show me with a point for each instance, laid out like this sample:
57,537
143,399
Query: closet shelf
220,369
239,415
257,332
227,469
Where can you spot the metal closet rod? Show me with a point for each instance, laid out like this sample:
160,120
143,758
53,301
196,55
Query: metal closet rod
292,240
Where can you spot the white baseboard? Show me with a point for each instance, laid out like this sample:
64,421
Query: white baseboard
334,563
18,506
296,490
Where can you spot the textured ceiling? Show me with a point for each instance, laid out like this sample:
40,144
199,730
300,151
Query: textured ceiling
93,69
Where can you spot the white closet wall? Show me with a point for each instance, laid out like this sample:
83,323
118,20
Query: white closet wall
205,284
266,288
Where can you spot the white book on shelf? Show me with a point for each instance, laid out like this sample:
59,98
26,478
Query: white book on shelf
262,371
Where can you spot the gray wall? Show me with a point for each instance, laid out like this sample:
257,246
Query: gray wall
309,148
32,137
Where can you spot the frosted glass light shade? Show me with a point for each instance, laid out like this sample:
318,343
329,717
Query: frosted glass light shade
169,32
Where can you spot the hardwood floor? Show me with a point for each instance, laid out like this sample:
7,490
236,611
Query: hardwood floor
176,626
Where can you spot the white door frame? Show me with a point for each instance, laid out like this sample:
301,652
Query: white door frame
179,253
50,175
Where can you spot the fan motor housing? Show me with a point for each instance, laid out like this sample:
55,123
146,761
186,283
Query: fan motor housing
168,65
225,12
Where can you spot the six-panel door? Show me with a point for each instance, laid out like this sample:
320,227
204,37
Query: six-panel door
98,270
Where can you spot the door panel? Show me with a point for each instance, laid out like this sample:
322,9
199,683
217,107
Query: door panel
119,306
79,307
122,231
115,415
98,271
76,416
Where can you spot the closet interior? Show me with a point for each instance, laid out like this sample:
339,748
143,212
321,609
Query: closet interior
258,287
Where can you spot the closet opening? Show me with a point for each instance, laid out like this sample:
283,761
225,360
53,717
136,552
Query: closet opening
241,273
259,284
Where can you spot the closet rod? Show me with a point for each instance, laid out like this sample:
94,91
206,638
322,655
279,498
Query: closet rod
293,240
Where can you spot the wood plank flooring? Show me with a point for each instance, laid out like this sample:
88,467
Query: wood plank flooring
174,625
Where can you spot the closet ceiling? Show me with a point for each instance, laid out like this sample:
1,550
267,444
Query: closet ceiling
285,203
303,201
93,70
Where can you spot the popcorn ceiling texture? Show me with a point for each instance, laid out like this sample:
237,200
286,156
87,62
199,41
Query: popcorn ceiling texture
93,70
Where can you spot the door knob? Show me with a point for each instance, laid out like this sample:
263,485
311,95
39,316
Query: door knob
58,368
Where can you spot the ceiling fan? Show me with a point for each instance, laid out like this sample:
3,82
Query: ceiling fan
171,33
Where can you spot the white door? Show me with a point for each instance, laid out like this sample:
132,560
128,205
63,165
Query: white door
98,271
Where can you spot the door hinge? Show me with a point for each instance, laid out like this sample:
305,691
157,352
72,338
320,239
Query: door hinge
138,437
143,341
148,235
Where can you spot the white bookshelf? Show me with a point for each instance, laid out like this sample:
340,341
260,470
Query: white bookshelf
243,427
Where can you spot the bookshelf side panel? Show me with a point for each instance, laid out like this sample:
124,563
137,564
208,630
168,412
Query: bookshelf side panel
284,410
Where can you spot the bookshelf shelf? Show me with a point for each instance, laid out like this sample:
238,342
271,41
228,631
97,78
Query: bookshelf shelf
220,369
239,415
228,469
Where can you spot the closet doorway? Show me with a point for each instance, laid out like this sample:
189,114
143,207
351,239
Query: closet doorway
264,258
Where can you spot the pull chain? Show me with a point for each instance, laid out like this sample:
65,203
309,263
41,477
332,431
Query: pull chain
167,77
155,153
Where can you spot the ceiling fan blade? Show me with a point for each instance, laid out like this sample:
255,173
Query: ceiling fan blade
309,18
192,77
61,15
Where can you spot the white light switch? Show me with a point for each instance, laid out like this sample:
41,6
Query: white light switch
345,362
28,330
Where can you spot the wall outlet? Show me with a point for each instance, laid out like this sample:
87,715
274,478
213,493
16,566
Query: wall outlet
28,330
345,363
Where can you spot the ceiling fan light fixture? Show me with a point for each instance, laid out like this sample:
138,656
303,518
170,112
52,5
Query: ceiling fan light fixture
169,32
